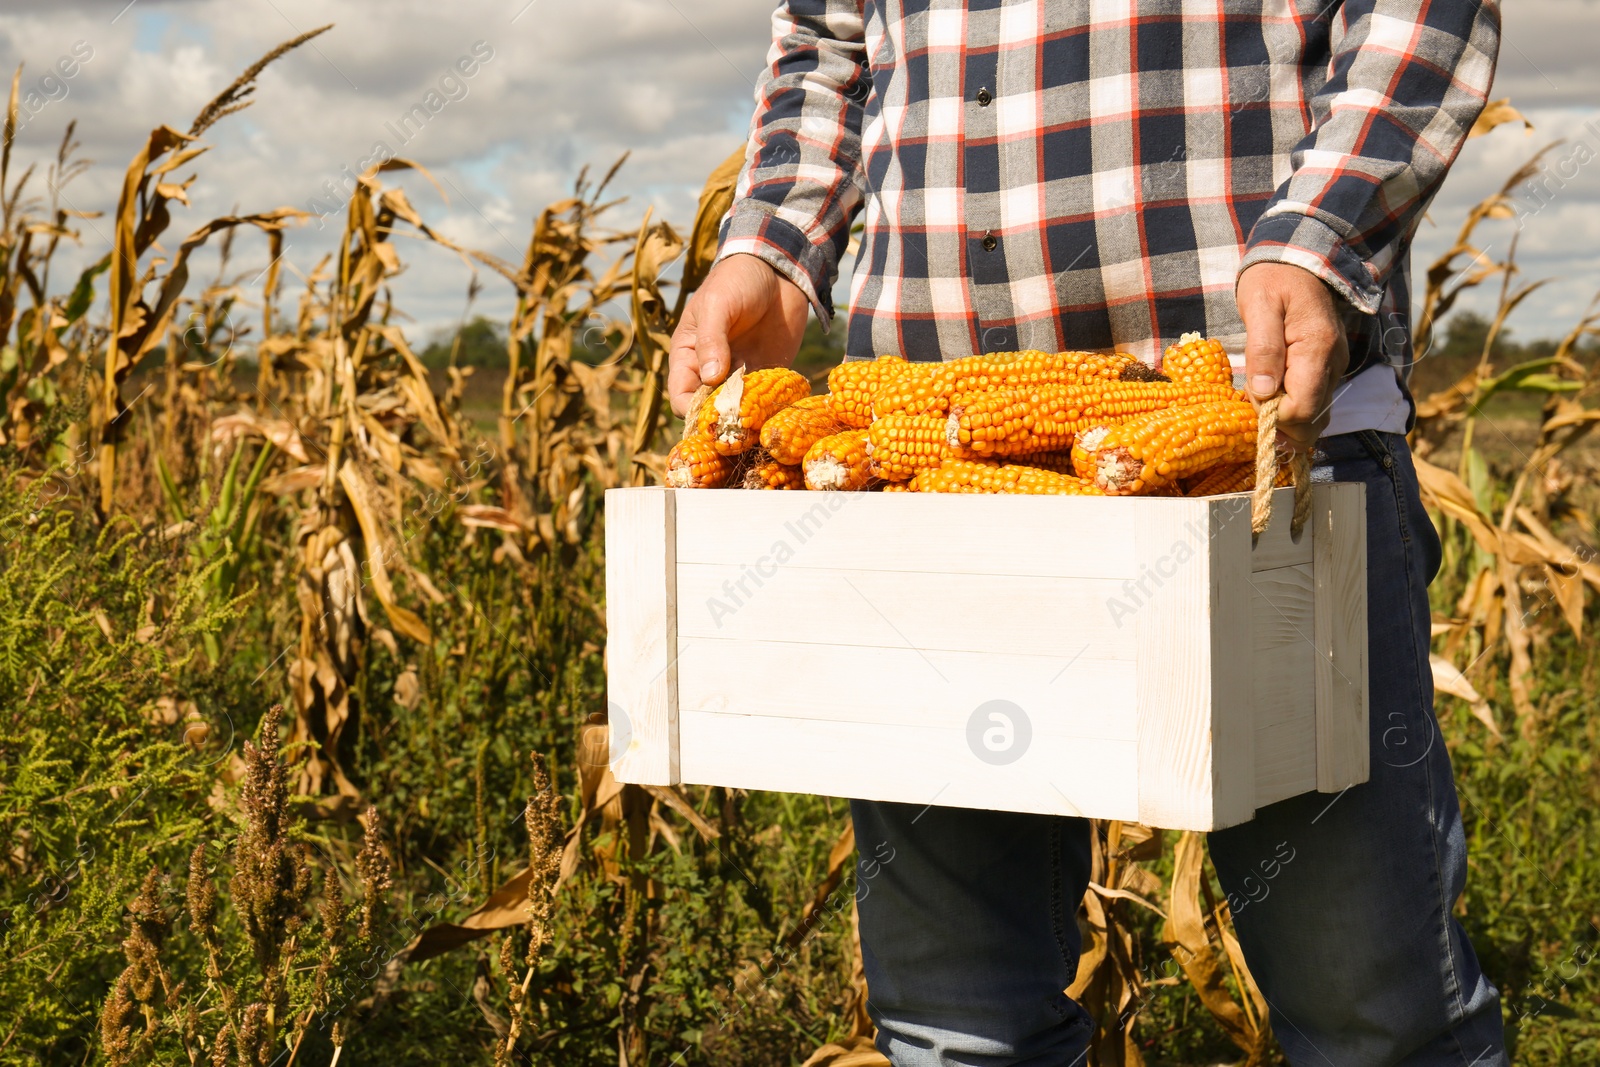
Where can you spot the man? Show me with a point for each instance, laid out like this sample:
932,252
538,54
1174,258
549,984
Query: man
1075,174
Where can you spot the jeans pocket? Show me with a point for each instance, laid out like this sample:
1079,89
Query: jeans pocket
1384,456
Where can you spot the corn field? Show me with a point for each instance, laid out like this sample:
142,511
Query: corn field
304,737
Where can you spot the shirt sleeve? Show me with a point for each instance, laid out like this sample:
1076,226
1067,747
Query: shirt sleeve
1408,78
802,181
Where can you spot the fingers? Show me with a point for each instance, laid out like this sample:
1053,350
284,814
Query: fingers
683,366
700,351
1294,342
711,336
1265,350
1316,359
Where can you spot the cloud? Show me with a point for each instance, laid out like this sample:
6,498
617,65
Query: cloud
576,84
564,86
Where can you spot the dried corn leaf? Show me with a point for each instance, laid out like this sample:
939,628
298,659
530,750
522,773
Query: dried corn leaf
1557,552
507,906
361,493
1447,679
1186,929
838,860
1568,591
280,432
1495,113
489,517
849,1052
715,200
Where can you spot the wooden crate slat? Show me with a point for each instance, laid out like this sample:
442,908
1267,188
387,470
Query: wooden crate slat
1088,537
1275,547
1001,613
1339,516
871,761
914,688
1283,635
1235,663
1286,760
1285,707
642,638
1188,560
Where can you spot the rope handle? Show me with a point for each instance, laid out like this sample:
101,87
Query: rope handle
1267,474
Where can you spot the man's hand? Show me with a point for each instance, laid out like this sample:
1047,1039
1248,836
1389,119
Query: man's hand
745,312
1293,338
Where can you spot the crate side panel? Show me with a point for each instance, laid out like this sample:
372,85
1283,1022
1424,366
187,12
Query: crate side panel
912,765
1058,696
1068,537
1282,632
1276,547
1283,683
1059,618
1172,618
1286,761
1339,514
641,641
1234,667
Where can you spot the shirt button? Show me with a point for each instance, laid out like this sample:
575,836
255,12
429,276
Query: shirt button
990,242
984,97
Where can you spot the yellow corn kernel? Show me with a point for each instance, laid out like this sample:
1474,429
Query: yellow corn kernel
732,416
1086,449
990,476
1156,451
838,462
1232,478
694,463
853,384
788,434
1195,359
1045,418
934,387
765,472
901,445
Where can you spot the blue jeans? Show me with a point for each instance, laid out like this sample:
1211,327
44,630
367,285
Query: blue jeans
1342,903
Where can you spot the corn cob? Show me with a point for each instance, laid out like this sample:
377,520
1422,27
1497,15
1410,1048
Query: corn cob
901,445
1035,480
988,476
1057,462
916,390
853,384
763,471
1015,422
1156,451
789,433
732,416
694,463
899,487
933,387
838,461
1085,451
1234,478
1194,359
1139,371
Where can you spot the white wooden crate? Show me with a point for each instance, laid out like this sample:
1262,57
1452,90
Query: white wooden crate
1132,658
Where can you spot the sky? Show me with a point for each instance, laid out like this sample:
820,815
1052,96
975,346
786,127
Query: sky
557,85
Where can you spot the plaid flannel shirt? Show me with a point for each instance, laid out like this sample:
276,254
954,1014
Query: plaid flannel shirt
1085,174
